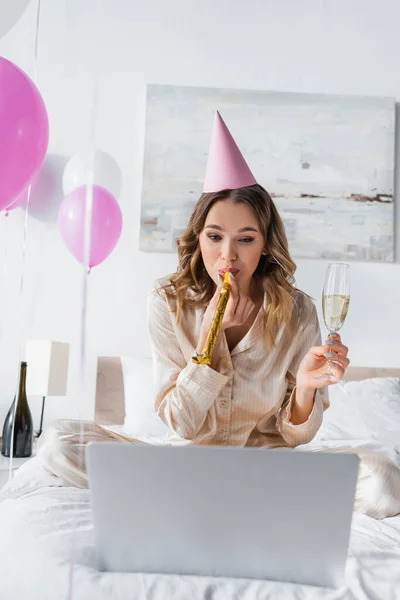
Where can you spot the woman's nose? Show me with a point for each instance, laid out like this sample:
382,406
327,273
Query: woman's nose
228,253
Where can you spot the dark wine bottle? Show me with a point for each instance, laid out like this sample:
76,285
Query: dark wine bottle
22,431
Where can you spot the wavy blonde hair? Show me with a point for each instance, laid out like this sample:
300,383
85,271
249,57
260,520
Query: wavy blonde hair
275,270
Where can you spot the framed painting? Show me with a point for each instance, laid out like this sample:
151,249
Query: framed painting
326,160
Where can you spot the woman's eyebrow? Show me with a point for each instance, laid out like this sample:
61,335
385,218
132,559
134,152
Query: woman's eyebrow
241,230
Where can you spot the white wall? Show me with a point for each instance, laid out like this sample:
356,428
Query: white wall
342,47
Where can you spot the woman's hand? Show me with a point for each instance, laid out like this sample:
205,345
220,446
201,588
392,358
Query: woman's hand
238,309
331,357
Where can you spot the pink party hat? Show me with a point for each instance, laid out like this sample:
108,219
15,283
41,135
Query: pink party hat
226,167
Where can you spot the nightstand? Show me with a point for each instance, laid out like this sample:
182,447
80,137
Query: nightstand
16,463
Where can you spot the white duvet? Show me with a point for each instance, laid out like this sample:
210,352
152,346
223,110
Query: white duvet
43,526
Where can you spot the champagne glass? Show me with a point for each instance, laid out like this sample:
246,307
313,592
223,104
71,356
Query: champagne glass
335,301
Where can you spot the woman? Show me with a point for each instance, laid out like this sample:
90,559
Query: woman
262,387
265,385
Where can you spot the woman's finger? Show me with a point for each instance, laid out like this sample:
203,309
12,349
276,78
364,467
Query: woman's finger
326,352
333,359
234,286
214,299
219,285
234,296
230,310
336,348
335,337
319,350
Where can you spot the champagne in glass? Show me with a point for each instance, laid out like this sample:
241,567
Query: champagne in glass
336,299
334,308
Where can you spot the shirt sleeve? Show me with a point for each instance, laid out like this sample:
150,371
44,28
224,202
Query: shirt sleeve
295,435
185,391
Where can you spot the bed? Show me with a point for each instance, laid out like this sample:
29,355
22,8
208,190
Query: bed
43,524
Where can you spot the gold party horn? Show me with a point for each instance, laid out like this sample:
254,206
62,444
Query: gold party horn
205,357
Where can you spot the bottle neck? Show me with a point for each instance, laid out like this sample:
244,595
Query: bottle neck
22,383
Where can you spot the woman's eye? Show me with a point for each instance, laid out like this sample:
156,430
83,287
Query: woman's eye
246,240
214,237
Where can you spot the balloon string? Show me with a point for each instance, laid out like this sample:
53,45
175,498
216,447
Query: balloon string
28,198
36,41
23,323
3,296
84,306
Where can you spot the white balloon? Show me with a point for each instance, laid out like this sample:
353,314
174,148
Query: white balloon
10,13
106,173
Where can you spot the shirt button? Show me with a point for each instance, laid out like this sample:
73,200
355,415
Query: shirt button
223,404
224,433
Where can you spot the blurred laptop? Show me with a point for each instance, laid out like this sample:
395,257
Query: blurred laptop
234,512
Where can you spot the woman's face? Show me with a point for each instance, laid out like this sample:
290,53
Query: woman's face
231,240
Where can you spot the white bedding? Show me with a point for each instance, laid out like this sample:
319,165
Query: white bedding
40,521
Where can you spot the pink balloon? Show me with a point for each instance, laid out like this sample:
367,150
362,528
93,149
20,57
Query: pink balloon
106,224
24,131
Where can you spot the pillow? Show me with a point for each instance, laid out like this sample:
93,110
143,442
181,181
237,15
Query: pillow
367,409
141,420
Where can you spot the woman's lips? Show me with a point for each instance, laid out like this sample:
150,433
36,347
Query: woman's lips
233,271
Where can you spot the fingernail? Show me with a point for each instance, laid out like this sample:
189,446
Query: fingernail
329,362
231,275
333,334
328,355
219,278
329,342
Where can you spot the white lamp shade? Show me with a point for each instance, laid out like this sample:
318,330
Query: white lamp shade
47,372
